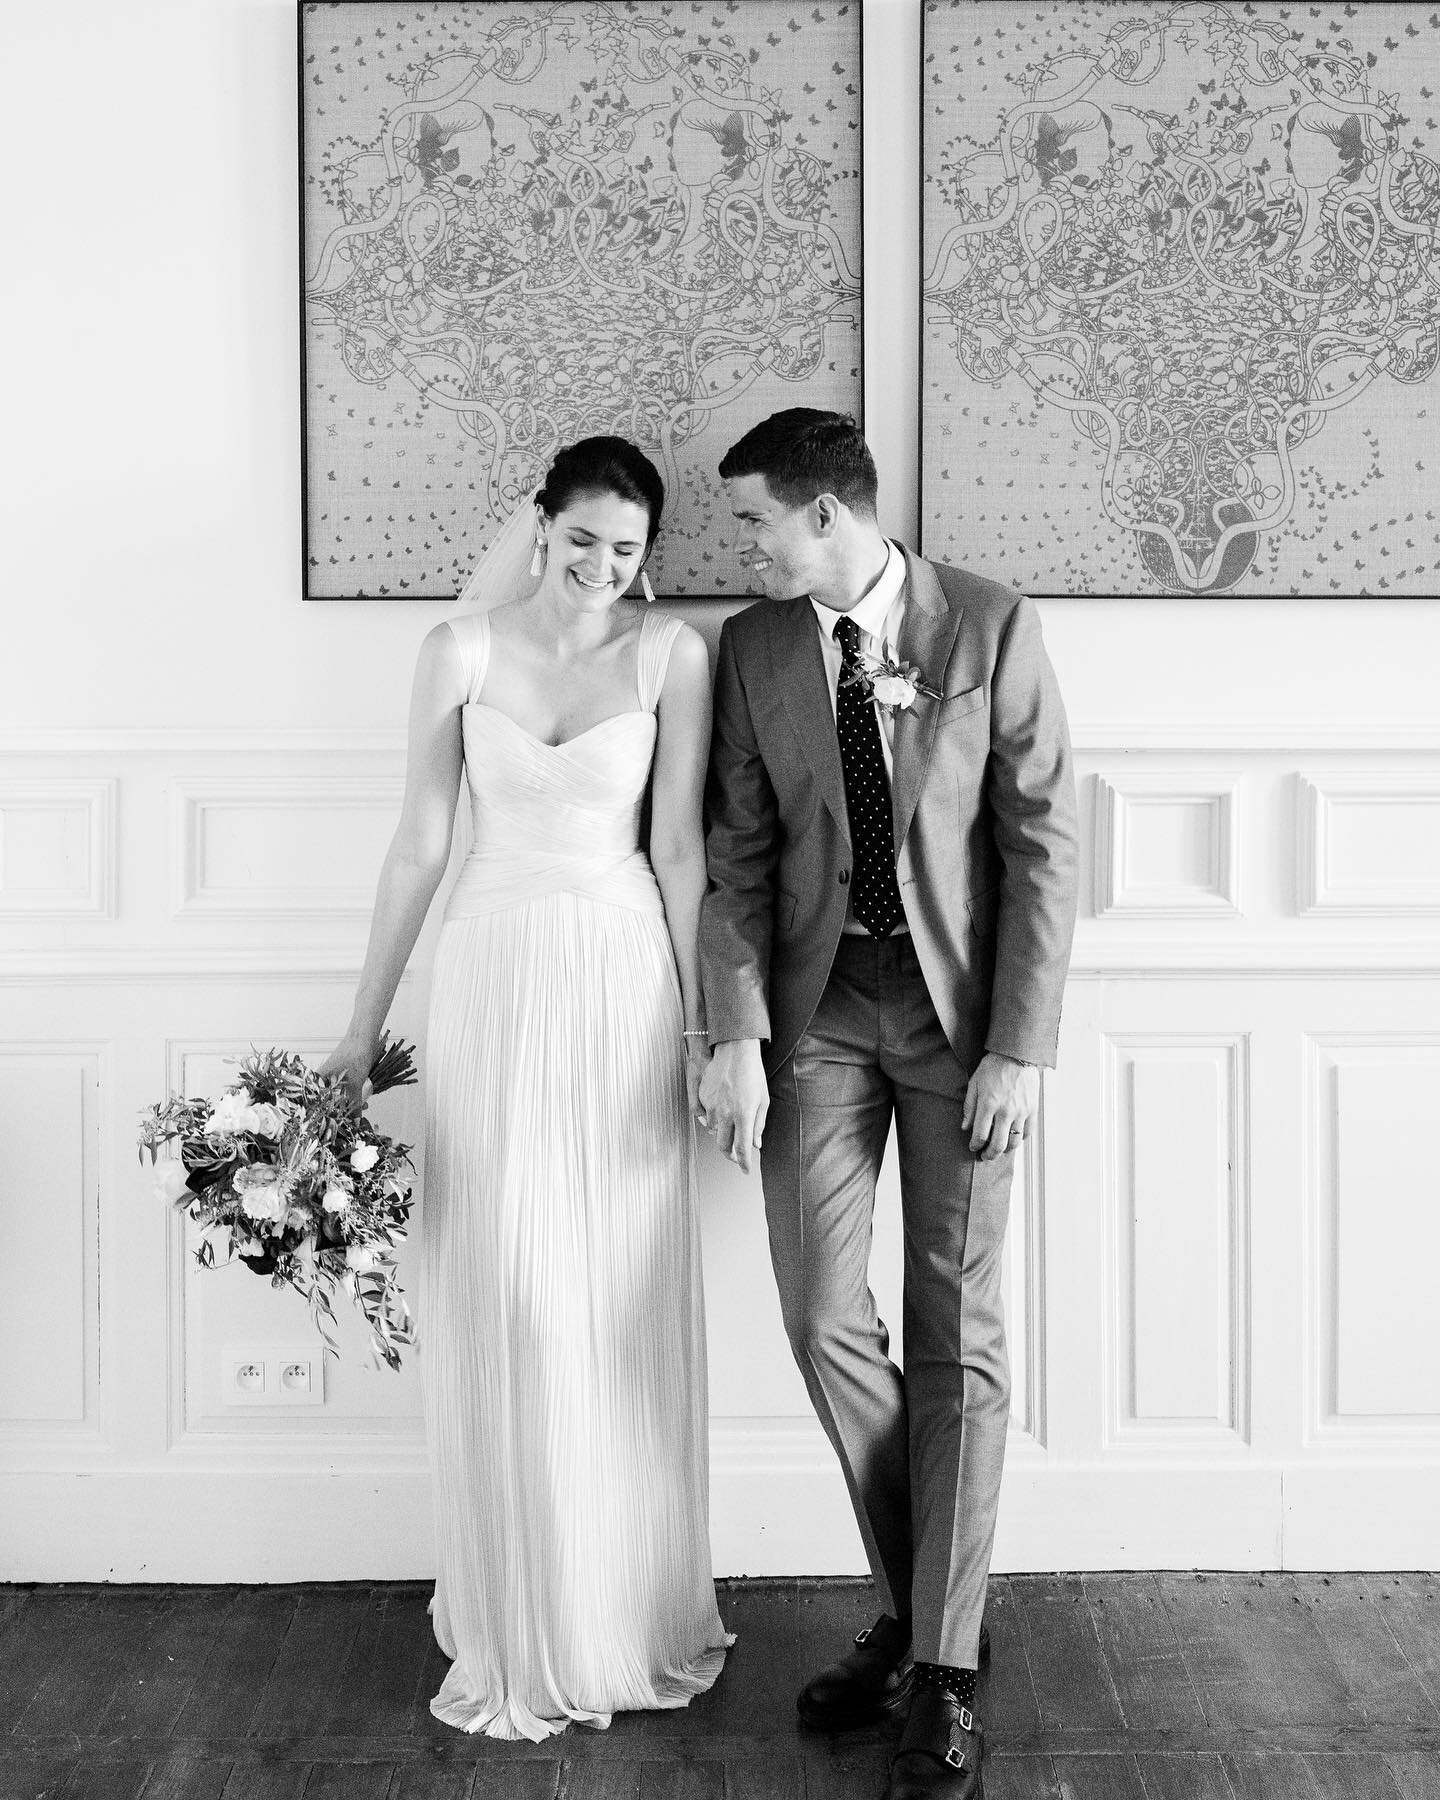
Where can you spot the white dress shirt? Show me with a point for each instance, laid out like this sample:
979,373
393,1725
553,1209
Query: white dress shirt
878,615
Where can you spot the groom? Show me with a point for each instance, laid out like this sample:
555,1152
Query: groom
892,859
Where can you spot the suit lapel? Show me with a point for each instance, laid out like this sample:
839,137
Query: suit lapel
800,676
927,637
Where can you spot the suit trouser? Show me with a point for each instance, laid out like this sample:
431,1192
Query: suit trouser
922,1452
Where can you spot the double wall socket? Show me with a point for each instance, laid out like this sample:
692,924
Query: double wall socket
273,1375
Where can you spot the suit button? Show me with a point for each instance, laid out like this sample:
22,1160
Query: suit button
844,878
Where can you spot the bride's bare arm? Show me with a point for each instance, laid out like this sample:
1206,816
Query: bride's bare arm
677,831
418,851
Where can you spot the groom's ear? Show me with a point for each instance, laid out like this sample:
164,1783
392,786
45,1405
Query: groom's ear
826,514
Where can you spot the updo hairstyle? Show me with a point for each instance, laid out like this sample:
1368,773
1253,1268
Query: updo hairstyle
604,465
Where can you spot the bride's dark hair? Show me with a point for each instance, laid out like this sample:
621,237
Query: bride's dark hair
604,465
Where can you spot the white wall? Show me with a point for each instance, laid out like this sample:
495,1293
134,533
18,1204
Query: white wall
1220,1273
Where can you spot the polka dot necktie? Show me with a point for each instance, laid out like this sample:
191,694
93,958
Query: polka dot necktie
875,894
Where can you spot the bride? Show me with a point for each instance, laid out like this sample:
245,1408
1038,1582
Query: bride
561,1307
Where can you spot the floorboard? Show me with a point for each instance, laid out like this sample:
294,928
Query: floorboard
1254,1653
1098,1777
1196,1777
33,1777
1377,1673
1416,1775
1101,1687
1141,1653
1072,1684
188,1778
228,1684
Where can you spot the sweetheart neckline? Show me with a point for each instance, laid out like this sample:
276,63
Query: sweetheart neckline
630,712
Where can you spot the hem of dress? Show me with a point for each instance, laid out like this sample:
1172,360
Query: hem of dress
506,1718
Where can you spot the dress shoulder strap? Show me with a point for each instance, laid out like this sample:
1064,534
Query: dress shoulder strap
658,632
471,632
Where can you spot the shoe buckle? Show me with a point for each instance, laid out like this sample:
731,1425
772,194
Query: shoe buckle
967,1719
863,1637
955,1758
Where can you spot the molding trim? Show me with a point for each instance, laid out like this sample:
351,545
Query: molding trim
1120,800
1322,890
1296,736
1325,1428
93,1060
194,807
95,799
1360,959
1228,1431
1027,1290
188,742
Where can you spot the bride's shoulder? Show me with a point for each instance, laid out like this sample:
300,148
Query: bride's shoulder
687,657
448,655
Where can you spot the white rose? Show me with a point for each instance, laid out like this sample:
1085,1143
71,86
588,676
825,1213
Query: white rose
231,1113
260,1192
363,1157
266,1119
264,1204
335,1200
170,1181
894,690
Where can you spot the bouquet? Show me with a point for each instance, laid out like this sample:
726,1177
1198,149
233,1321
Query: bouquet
287,1176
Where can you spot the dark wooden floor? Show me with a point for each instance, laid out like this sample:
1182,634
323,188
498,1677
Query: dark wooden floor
1136,1687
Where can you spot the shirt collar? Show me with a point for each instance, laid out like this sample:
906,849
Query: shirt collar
870,613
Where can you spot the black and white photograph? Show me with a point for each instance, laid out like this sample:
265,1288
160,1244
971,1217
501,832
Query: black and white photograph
720,901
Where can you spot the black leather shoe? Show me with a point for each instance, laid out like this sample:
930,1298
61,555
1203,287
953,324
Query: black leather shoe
871,1684
941,1750
866,1687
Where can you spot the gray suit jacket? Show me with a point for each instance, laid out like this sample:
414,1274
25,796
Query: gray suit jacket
985,823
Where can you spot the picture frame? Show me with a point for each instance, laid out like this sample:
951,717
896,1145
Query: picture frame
1181,296
526,224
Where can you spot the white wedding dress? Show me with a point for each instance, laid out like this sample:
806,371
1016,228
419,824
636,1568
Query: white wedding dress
563,1323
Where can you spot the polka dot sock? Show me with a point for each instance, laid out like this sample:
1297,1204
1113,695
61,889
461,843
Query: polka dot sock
958,1682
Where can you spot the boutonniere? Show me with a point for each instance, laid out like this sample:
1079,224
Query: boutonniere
889,684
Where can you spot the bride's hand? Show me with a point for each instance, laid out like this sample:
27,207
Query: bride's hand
697,1060
353,1060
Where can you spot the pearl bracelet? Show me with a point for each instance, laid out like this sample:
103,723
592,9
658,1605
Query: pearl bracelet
704,1034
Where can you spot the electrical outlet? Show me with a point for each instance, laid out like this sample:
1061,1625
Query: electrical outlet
273,1375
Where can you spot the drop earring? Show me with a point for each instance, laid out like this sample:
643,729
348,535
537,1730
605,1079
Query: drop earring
537,561
646,589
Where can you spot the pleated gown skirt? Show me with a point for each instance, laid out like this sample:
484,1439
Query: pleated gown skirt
562,1324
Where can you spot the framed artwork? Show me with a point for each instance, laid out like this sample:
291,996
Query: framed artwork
526,224
1181,309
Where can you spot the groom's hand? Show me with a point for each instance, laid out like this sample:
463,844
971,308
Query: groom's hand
1001,1104
734,1099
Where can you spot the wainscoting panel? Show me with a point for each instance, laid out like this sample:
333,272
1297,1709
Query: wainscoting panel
280,847
1376,1229
1369,843
1166,845
49,1292
1222,1242
1176,1187
57,847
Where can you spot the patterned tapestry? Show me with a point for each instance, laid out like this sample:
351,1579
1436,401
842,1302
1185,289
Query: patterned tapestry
524,224
1182,295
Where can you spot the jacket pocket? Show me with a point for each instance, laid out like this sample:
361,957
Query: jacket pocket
784,910
983,909
960,706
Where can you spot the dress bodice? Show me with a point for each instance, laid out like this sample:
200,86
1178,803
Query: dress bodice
557,818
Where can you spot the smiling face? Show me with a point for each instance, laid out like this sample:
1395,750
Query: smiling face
779,546
594,548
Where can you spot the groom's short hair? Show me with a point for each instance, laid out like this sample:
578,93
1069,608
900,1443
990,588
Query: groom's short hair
803,452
